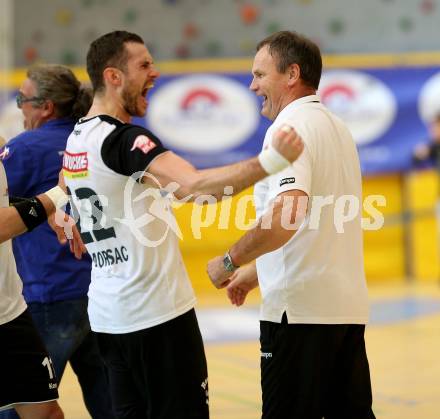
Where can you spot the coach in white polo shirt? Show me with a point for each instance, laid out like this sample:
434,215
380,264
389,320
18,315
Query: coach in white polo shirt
305,254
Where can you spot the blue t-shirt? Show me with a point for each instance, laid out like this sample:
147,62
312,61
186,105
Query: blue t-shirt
49,271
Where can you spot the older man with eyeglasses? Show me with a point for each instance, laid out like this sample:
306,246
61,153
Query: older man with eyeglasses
32,107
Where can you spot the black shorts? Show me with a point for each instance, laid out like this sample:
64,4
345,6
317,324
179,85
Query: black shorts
159,372
314,371
27,374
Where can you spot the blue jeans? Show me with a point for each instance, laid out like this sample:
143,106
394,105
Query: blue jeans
65,329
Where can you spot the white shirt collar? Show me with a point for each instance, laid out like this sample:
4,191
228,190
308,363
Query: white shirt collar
295,103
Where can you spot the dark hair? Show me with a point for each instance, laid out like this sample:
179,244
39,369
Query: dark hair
58,84
289,47
108,51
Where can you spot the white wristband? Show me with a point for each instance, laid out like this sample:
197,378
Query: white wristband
57,196
272,161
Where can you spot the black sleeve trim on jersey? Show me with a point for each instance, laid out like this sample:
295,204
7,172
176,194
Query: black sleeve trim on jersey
130,149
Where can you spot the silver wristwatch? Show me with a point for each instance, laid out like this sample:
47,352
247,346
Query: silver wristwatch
228,264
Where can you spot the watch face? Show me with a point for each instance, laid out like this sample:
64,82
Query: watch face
227,262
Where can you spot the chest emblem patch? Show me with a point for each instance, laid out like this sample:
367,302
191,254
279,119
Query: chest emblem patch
75,165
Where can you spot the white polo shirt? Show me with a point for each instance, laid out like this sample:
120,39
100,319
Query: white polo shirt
318,275
12,303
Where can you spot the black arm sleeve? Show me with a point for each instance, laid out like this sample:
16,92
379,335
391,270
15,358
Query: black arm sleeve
31,211
130,149
13,200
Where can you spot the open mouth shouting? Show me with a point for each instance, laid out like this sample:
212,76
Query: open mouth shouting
146,88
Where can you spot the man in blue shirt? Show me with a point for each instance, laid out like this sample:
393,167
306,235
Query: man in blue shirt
55,283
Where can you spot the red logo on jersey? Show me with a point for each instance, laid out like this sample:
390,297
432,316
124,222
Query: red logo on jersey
75,164
143,143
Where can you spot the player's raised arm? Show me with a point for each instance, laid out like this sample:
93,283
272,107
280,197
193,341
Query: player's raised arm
285,148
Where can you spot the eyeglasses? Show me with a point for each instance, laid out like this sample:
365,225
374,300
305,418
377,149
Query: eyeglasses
21,98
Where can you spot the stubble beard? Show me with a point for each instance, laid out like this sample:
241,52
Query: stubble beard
130,103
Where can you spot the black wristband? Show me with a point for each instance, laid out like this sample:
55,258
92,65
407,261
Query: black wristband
31,211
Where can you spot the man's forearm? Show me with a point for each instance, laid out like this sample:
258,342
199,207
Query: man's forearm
239,175
257,242
246,173
273,230
170,169
11,224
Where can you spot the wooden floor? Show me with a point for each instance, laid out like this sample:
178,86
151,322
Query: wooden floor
403,344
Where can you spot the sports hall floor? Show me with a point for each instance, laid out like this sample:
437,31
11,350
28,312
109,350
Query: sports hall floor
403,343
